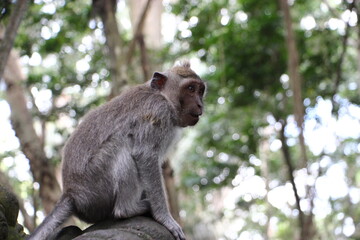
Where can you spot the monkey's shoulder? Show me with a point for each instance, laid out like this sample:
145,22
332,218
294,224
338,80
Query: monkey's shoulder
138,108
145,104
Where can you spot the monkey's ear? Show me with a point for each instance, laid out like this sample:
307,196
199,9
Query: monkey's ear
158,81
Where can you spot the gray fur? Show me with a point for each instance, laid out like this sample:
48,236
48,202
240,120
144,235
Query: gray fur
112,161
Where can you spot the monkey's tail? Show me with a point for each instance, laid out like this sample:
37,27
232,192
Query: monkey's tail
62,211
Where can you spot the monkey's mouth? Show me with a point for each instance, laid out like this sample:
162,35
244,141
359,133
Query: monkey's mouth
189,119
195,115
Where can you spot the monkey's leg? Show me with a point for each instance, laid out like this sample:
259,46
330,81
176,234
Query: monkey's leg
62,211
129,202
94,188
130,196
127,209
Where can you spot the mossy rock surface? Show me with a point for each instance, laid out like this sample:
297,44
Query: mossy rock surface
9,210
9,206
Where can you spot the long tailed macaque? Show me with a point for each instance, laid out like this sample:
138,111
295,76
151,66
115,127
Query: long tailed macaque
112,161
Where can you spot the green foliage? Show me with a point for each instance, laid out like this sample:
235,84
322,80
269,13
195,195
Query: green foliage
60,38
242,44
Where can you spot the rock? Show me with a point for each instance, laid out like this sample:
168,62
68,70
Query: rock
9,206
69,232
136,228
9,210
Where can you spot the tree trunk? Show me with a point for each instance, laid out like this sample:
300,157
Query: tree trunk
8,39
30,143
151,28
106,9
295,78
145,18
306,222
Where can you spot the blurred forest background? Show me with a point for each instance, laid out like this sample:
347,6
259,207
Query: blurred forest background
276,155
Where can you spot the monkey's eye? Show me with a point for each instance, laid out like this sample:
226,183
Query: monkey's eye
191,88
202,91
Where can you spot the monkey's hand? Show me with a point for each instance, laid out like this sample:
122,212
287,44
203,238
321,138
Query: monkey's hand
173,227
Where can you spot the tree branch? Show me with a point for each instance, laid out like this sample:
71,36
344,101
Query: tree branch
106,9
144,57
357,8
287,158
7,42
338,76
137,32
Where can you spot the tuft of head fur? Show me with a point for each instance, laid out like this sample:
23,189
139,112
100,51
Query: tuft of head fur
182,68
185,63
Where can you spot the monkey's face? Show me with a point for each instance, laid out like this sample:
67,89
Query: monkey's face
184,89
191,101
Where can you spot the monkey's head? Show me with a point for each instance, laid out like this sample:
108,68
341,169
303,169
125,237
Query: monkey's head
184,89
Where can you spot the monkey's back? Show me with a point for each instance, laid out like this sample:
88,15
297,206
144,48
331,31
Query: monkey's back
135,113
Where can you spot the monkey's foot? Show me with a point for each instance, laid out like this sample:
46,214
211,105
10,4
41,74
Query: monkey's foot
174,228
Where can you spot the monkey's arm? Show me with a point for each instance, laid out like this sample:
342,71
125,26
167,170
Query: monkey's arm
151,177
148,160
